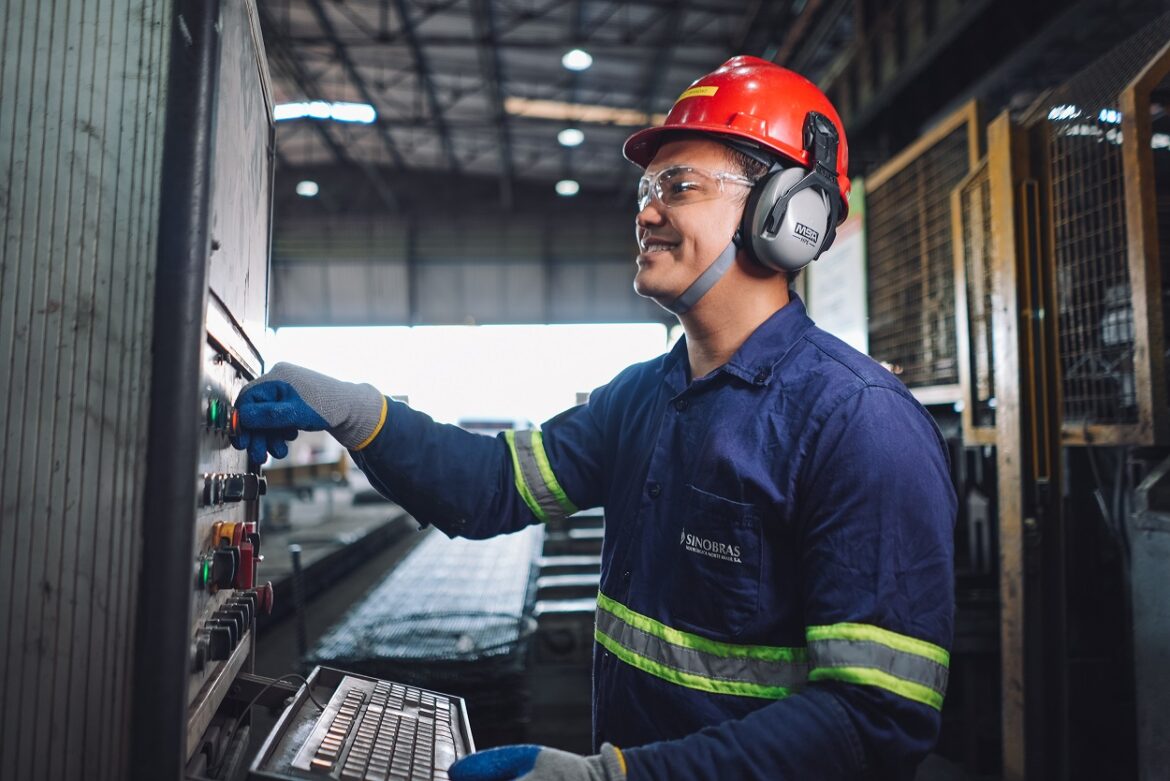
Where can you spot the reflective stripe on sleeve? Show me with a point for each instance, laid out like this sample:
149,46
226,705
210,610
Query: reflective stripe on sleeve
872,656
534,478
696,662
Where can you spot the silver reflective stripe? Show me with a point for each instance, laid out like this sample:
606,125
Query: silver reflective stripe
547,505
758,674
877,656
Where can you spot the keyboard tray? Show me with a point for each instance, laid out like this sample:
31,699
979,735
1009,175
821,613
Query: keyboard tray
370,730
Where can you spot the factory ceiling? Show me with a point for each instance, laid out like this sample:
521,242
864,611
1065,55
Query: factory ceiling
470,96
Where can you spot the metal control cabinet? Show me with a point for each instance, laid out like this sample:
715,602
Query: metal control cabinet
228,587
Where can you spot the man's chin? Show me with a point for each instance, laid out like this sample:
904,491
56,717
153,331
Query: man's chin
647,289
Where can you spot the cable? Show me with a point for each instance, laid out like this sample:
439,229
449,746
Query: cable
247,708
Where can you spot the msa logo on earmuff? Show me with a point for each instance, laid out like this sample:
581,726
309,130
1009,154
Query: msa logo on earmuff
792,213
806,233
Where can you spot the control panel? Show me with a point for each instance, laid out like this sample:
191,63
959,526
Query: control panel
227,571
227,579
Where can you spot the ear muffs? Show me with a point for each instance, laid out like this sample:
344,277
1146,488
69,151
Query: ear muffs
785,236
791,214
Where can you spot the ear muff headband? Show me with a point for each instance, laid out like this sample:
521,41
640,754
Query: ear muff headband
802,207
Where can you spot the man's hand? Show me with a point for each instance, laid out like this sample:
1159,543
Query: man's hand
288,399
537,763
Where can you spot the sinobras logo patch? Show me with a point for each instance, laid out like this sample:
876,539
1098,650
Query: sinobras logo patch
712,548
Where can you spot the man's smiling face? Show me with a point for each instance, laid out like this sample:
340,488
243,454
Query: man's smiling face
676,243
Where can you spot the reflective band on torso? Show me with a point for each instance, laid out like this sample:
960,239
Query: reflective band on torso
534,478
696,662
871,656
850,653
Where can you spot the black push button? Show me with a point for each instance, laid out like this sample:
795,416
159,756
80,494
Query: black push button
225,562
240,488
219,643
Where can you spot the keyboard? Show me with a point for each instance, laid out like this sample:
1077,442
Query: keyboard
370,730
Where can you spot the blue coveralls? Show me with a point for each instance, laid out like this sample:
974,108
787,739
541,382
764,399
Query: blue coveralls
776,586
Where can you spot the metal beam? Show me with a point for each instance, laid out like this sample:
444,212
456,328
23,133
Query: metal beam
293,67
802,51
359,83
757,28
428,82
489,57
713,40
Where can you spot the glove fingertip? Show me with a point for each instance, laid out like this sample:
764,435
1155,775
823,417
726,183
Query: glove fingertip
278,448
258,450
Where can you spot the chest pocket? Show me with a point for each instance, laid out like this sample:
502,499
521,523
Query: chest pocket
715,582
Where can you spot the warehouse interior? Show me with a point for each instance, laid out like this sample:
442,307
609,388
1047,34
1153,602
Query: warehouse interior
194,190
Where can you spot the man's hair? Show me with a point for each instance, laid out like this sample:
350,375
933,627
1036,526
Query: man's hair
746,166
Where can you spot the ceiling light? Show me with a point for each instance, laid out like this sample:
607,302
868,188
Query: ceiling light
580,112
568,187
307,189
577,60
362,113
570,136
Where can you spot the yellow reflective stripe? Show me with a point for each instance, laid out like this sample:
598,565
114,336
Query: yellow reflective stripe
873,656
689,680
698,643
875,634
883,680
518,479
546,472
377,428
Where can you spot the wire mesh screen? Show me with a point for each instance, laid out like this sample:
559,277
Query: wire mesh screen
454,615
1081,125
974,202
911,264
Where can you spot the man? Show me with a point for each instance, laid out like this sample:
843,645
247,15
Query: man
776,586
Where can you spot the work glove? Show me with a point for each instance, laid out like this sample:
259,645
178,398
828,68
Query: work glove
538,763
273,407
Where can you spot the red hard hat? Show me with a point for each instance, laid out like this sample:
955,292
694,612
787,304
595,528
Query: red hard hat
751,100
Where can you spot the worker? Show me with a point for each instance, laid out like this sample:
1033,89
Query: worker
776,594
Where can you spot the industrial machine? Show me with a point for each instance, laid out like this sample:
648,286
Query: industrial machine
335,724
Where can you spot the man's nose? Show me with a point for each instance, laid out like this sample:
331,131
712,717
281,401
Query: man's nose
650,214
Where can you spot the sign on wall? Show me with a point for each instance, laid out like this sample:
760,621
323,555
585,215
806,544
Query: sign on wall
835,283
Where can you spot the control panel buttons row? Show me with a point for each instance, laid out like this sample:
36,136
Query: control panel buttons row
232,559
225,628
220,488
220,415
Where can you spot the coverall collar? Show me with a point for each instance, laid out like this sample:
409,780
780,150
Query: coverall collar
756,359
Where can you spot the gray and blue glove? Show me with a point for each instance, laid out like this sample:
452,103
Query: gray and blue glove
539,763
289,398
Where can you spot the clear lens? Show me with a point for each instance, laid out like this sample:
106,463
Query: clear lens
680,185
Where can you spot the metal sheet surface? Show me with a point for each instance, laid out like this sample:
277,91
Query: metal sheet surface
80,154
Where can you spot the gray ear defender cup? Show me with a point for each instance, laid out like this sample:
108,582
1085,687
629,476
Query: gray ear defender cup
792,213
792,238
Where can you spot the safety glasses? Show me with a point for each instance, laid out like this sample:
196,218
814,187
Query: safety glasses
683,184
